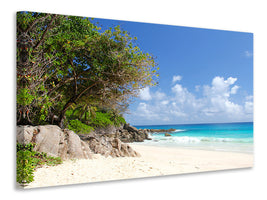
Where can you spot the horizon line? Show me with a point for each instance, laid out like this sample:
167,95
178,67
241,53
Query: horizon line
194,123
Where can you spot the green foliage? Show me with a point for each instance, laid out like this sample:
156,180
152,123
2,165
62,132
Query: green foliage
40,159
24,166
79,127
101,120
83,119
104,119
27,147
119,120
24,97
28,160
83,111
71,61
116,118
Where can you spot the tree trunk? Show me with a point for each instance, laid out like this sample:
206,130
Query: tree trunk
61,118
68,104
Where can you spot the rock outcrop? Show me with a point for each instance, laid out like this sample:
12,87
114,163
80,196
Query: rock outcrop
125,133
66,144
54,141
108,146
128,134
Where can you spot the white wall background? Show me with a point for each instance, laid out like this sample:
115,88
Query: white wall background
239,15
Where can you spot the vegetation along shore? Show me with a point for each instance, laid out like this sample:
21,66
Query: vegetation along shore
74,82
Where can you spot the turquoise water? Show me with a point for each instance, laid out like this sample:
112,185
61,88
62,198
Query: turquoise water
234,137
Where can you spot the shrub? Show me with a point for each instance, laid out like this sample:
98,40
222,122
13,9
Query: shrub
104,119
28,160
79,127
24,166
119,120
24,97
101,120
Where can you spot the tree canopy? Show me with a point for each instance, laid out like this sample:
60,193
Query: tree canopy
68,62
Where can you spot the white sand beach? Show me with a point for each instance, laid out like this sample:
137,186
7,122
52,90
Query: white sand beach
154,161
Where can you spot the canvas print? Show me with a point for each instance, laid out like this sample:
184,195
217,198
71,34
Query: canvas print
102,100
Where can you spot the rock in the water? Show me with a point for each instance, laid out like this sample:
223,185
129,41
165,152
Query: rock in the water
161,130
167,134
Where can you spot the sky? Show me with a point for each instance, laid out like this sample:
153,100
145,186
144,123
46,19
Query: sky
205,75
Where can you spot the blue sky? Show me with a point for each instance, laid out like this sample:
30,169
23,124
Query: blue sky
206,75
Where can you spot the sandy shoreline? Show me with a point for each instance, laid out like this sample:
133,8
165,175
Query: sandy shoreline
154,161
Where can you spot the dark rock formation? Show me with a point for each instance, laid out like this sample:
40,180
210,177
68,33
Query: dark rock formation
131,134
161,130
108,146
125,133
107,130
128,134
130,128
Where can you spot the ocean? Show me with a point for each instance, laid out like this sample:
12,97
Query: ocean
232,137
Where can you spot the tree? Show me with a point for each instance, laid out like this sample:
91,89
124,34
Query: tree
66,60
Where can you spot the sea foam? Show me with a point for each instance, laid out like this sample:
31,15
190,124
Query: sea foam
179,130
190,139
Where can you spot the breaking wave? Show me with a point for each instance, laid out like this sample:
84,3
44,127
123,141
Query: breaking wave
179,130
188,140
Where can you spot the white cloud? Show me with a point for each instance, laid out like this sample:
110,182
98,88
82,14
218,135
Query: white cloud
181,94
159,95
142,107
248,54
197,88
176,110
165,102
220,87
182,106
217,98
249,98
234,89
145,94
249,105
176,78
230,80
144,110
